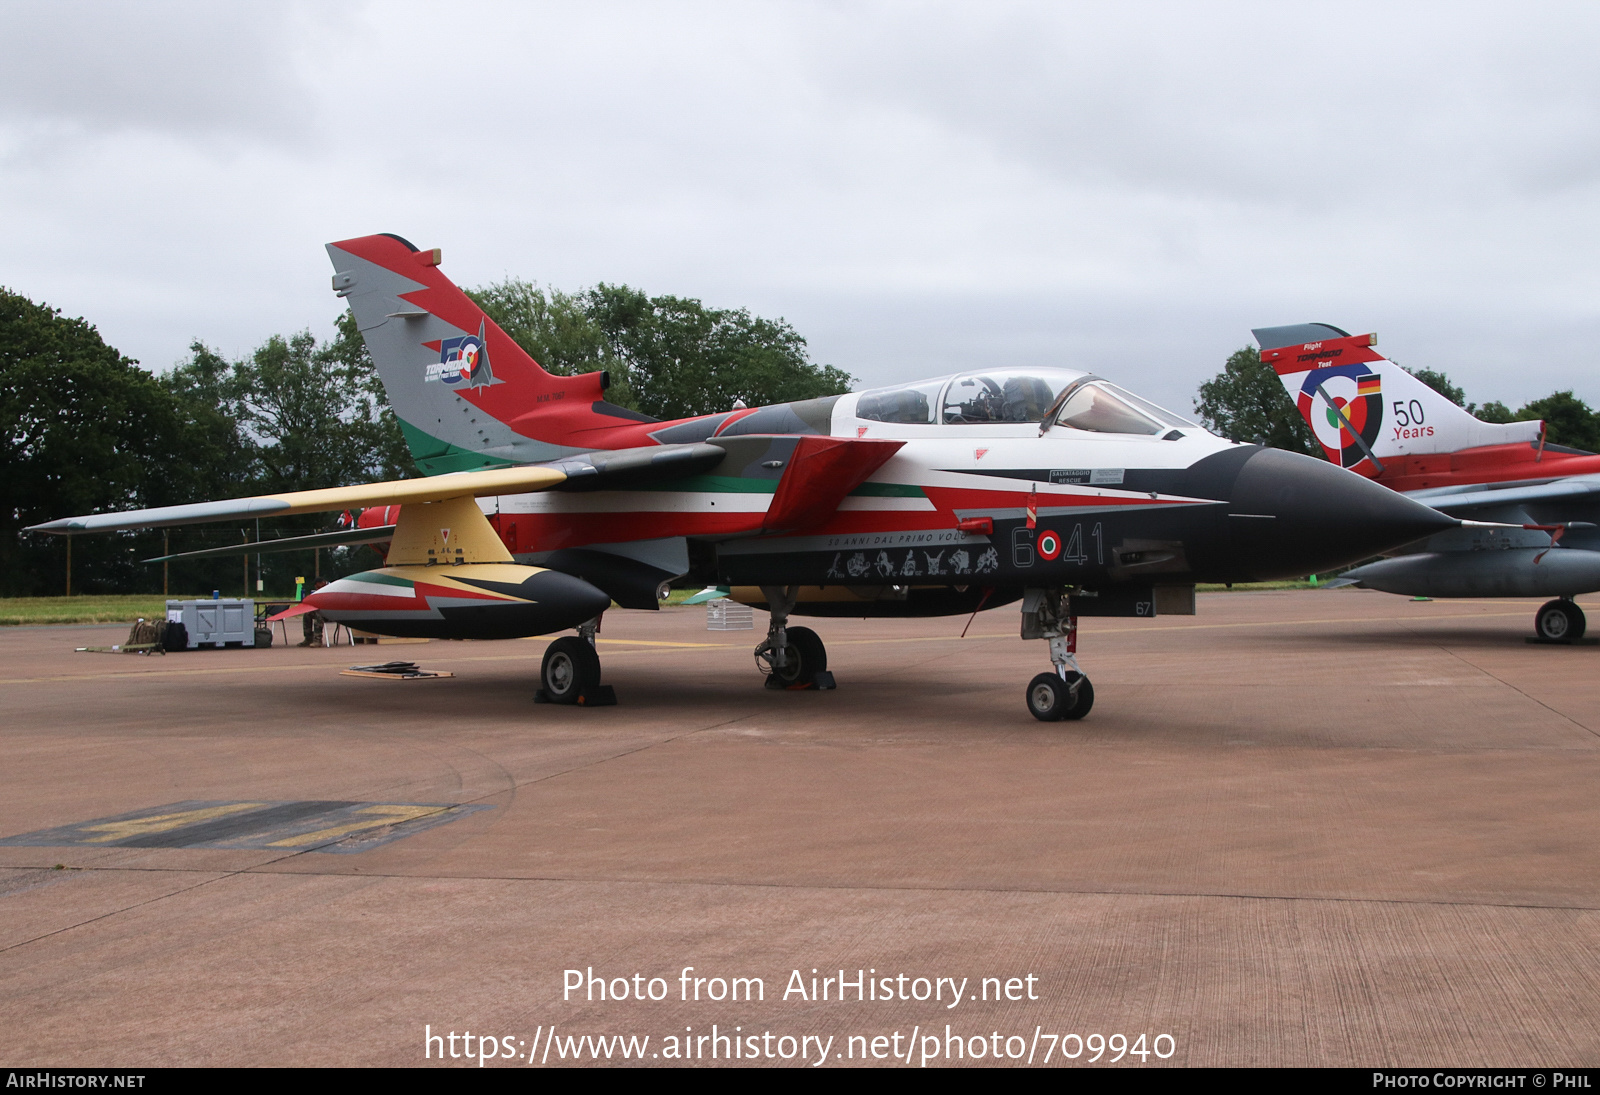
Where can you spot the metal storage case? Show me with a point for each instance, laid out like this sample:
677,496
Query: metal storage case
726,615
215,623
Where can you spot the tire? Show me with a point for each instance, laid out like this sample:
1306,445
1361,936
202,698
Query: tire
1559,622
1085,699
570,668
1048,697
807,657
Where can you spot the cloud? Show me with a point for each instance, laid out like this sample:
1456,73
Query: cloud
191,68
1132,184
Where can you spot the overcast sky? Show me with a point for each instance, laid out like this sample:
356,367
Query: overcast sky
916,187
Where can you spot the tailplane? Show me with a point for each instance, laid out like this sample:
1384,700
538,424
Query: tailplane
1363,408
467,396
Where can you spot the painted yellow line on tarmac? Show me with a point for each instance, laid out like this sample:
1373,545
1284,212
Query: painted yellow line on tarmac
377,817
657,642
161,823
165,673
628,642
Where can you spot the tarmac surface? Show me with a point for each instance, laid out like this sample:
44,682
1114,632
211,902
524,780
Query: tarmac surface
1300,828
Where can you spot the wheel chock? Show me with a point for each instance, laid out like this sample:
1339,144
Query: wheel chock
601,695
821,682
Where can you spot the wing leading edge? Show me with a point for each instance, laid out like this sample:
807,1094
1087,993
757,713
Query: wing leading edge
434,488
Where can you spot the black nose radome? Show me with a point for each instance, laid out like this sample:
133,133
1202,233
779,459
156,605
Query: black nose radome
1288,515
1291,515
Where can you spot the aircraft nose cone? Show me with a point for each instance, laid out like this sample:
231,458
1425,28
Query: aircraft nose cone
1290,515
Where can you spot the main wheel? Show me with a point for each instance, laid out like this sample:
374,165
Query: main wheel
570,668
1559,622
807,657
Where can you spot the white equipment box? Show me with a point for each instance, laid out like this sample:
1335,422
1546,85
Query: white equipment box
725,615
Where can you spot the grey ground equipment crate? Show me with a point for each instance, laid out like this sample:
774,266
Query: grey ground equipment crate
215,623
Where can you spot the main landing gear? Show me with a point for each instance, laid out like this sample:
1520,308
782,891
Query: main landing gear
1559,621
792,657
570,672
1064,692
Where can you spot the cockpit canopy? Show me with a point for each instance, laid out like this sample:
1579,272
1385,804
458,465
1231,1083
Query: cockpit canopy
1021,395
1073,399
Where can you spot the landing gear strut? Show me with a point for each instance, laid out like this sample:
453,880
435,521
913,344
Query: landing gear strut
1559,621
1064,692
570,672
792,657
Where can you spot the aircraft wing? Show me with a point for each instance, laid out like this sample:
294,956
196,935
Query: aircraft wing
1456,500
617,469
433,488
821,472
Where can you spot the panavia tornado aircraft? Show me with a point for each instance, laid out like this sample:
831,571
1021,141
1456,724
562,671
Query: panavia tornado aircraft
1534,506
542,503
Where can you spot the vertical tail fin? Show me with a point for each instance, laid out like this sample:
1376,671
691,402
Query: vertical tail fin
1363,408
466,395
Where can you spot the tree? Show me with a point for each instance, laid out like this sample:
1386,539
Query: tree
224,461
82,428
685,359
556,329
294,415
1568,420
378,426
1247,402
670,357
313,413
1440,383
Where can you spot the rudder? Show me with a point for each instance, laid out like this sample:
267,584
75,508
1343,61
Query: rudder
466,394
1361,405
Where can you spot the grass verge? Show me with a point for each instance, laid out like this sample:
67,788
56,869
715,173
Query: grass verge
111,609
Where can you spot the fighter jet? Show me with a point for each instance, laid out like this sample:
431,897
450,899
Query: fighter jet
542,503
1531,507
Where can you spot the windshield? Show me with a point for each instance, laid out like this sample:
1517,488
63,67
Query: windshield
1105,408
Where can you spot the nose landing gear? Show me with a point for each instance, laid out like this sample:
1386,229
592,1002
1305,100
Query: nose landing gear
793,658
1064,692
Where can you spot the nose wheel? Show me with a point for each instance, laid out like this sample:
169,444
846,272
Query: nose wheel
1559,622
1052,697
1064,692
